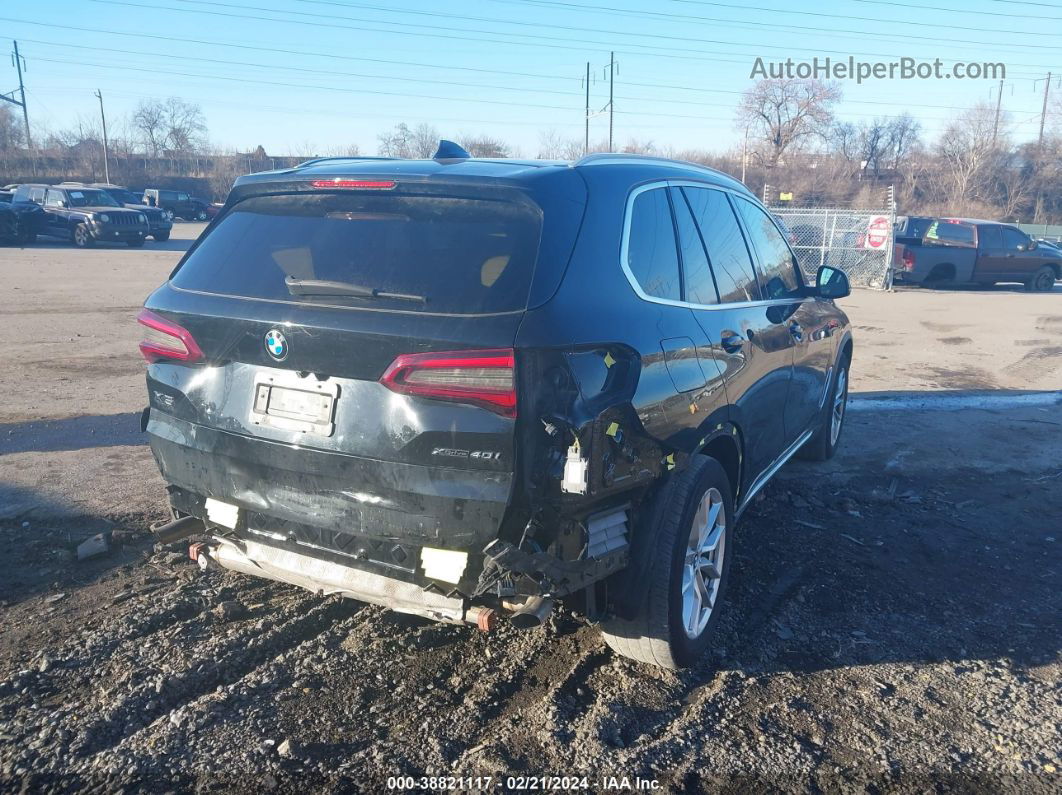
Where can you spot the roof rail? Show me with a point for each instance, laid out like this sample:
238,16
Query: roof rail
629,157
314,160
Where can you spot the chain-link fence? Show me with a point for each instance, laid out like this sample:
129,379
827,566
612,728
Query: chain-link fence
859,242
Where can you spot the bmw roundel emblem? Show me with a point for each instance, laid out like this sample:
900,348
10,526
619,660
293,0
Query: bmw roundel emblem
276,344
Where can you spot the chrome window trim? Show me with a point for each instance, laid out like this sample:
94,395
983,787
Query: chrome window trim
663,184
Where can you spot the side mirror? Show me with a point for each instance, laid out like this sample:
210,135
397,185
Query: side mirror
1032,245
831,283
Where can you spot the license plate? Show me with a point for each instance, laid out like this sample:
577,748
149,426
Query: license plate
306,408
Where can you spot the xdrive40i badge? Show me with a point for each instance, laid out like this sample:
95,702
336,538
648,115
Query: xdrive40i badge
276,344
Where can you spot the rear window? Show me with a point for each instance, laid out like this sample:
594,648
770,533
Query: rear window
951,233
461,255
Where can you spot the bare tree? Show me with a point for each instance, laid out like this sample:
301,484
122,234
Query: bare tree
966,150
171,124
184,125
550,145
423,141
483,146
397,142
784,114
12,133
903,137
149,121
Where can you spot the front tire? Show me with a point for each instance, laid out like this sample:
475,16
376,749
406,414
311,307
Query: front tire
824,442
1043,281
691,522
161,237
82,236
135,243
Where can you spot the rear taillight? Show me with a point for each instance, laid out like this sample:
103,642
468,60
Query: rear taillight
908,259
164,339
482,378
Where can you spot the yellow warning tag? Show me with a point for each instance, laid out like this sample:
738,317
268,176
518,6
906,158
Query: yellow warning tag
612,430
609,361
670,460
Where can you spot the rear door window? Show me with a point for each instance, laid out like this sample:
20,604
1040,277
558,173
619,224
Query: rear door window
54,198
727,252
775,263
696,275
988,238
461,255
652,254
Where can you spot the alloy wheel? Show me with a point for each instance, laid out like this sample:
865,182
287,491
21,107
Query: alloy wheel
840,401
702,568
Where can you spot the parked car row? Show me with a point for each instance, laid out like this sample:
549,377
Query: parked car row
945,251
90,213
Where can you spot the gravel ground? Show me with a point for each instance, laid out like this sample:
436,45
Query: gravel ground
894,621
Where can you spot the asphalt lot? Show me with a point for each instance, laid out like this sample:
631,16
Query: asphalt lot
894,620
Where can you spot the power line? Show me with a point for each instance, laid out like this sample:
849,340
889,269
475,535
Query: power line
408,33
553,26
920,7
692,18
402,63
668,51
727,106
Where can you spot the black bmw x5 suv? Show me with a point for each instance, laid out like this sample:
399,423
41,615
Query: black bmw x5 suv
465,389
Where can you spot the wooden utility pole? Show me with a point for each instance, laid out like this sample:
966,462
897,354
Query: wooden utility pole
106,158
999,103
1043,113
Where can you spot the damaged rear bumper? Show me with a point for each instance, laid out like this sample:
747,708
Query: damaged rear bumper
327,578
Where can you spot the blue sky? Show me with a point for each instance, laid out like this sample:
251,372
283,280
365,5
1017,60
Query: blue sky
303,76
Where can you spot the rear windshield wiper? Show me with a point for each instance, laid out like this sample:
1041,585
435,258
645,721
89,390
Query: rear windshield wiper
326,287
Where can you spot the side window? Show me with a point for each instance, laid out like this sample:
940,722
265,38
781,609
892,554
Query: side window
988,237
776,265
696,275
1013,239
168,195
182,197
652,255
36,195
727,252
53,198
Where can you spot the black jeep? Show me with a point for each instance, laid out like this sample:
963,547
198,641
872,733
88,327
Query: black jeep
85,215
159,219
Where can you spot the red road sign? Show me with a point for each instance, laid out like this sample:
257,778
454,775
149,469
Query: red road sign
878,232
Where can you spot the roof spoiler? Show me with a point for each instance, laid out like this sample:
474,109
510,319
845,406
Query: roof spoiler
448,150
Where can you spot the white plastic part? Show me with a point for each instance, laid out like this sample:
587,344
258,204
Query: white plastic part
575,471
443,564
222,513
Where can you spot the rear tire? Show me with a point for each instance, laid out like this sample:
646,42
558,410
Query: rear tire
82,237
201,215
1043,281
691,522
824,442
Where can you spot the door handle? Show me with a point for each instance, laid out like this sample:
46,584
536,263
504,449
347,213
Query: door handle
731,342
